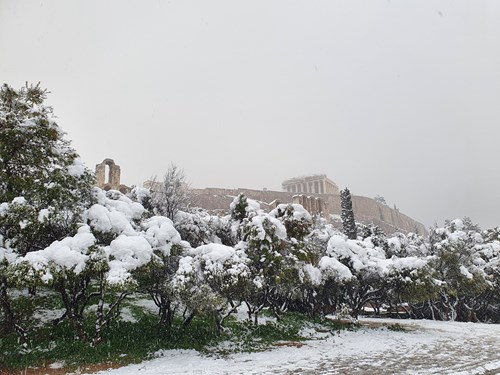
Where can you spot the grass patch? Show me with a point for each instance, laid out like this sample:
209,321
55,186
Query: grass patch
396,327
123,343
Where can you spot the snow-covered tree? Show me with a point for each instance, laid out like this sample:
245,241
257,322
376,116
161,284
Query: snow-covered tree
198,227
373,233
365,264
99,252
116,251
300,251
157,277
270,259
489,261
44,187
459,268
39,167
347,214
264,238
409,284
239,208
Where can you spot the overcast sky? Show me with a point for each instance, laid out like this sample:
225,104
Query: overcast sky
396,98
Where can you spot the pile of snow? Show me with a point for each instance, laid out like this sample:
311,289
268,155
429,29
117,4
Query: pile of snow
161,234
299,212
71,253
77,168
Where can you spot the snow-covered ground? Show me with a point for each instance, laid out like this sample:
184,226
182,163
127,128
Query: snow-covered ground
426,347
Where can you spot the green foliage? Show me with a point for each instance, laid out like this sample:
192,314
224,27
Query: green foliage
239,208
265,250
295,228
248,337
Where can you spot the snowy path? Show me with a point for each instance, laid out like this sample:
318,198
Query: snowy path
429,348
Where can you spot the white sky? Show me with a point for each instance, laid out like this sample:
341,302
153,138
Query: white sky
397,98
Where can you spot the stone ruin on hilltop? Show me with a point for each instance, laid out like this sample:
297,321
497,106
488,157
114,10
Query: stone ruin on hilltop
316,193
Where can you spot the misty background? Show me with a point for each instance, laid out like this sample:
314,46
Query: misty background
395,98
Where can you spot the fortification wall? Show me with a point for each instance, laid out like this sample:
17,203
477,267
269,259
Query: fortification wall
369,211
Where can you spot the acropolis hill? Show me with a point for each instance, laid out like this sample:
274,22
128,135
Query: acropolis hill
366,210
317,193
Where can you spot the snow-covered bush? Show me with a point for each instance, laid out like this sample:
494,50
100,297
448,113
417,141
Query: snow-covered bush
243,208
409,284
295,218
459,270
353,273
362,277
156,277
116,249
213,278
200,228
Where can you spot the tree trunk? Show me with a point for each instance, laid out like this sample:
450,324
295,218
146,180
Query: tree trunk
166,313
188,320
72,312
10,323
7,310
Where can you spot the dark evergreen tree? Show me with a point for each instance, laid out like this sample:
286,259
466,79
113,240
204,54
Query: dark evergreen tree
239,207
43,185
348,224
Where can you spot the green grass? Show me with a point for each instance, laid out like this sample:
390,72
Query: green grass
396,327
124,342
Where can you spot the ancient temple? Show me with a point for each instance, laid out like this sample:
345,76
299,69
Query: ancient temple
315,184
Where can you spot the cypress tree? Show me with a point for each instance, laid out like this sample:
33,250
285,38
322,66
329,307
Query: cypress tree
348,224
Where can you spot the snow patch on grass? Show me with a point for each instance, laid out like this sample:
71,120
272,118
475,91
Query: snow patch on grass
429,347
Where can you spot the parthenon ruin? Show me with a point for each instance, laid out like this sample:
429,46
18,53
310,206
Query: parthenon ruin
316,184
